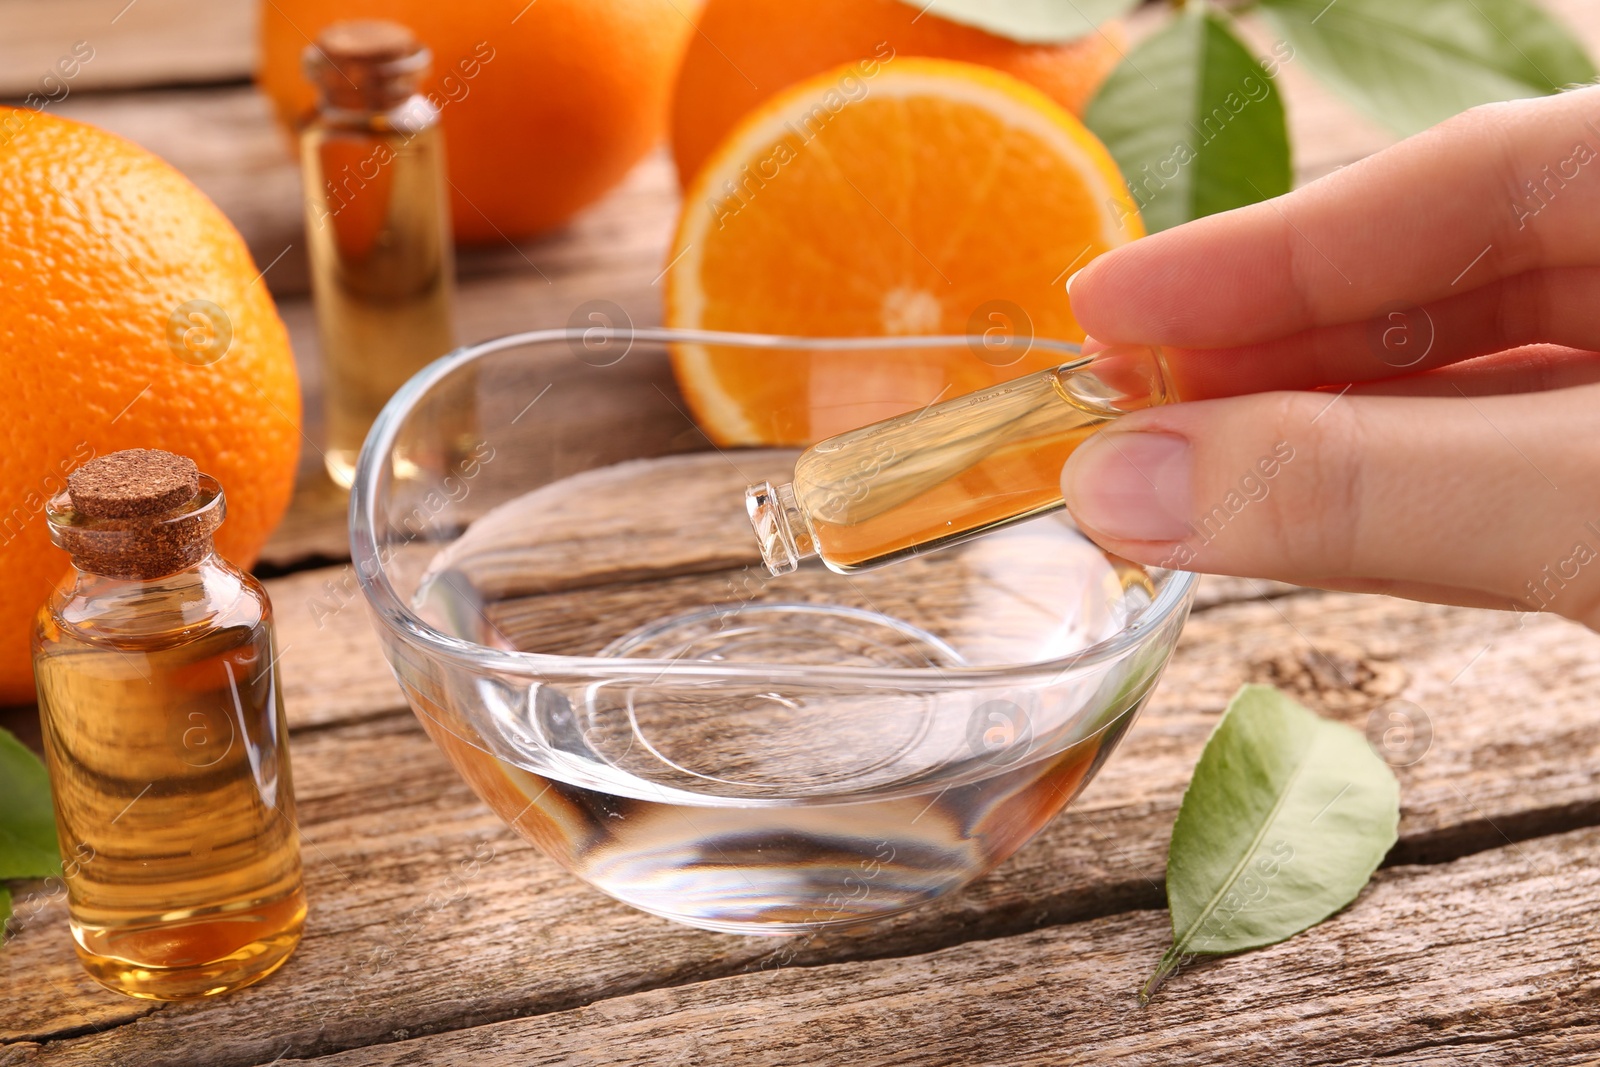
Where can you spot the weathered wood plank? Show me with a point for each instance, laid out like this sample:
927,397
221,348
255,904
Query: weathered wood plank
135,42
1487,957
1493,955
387,824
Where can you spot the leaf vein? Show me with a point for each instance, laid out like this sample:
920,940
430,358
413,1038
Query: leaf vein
1255,845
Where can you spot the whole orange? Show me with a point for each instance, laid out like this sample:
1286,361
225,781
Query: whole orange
747,50
131,315
545,104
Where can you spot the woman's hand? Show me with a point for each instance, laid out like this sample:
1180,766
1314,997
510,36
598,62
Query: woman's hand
1444,298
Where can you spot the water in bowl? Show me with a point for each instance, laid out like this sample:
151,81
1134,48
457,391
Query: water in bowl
756,788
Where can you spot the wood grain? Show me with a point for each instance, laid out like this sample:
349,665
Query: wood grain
137,43
1488,958
1493,953
388,825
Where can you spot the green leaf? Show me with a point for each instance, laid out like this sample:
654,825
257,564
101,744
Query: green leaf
1194,122
1413,63
1285,819
27,823
5,906
1028,21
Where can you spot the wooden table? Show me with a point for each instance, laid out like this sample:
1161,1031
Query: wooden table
1476,942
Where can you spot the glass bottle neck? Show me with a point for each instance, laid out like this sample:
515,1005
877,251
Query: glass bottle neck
782,529
410,116
1117,379
143,548
164,610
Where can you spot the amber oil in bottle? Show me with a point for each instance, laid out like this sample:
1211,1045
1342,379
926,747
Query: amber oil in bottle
950,472
165,738
377,225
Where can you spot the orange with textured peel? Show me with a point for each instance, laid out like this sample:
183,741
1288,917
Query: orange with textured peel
131,317
544,105
944,198
747,50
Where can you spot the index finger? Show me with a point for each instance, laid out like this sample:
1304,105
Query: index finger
1489,194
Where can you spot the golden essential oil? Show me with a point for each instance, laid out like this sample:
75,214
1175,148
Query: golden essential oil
165,738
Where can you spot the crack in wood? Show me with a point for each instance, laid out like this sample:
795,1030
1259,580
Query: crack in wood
67,1033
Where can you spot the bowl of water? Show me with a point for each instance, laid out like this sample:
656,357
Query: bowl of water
565,581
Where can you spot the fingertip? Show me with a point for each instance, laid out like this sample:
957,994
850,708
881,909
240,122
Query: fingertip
1212,282
1131,486
1083,295
1110,296
1075,280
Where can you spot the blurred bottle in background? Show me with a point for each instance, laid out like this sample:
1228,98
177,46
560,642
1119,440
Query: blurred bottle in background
378,226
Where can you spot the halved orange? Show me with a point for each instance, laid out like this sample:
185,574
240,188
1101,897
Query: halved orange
907,196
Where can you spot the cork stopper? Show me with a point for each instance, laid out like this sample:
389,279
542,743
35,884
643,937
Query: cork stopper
134,483
366,64
136,514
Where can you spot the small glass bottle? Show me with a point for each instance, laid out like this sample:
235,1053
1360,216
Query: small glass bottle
165,738
378,225
950,472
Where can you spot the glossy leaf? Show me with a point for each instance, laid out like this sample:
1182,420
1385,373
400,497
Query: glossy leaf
1411,64
27,823
1028,21
1286,817
1194,122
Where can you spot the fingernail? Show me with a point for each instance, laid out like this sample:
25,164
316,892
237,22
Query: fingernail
1090,346
1072,277
1131,486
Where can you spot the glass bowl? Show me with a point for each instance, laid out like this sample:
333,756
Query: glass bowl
567,586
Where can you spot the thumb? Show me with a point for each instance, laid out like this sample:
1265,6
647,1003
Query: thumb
1487,500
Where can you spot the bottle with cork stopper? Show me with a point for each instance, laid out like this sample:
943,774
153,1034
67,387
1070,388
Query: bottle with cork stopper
377,228
165,738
